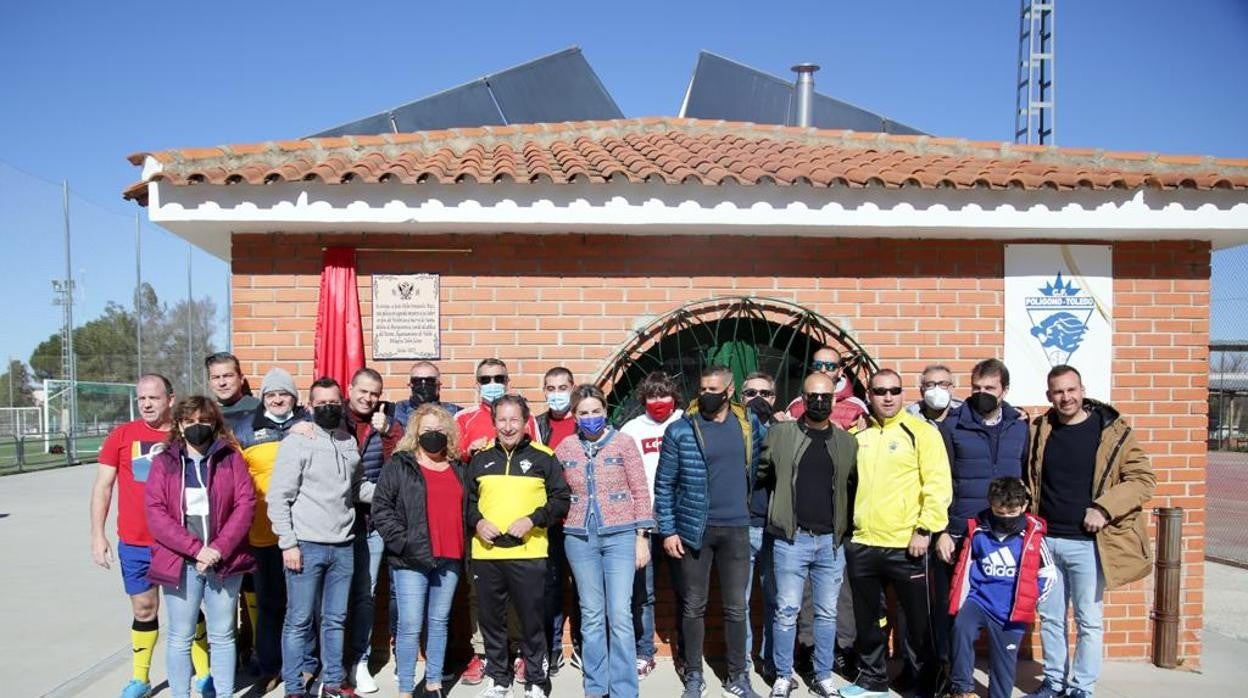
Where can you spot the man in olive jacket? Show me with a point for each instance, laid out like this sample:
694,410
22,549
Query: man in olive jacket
1089,479
809,466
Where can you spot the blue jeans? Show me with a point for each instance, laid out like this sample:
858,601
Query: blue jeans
1080,583
760,560
369,549
823,561
604,567
324,578
423,596
270,583
219,597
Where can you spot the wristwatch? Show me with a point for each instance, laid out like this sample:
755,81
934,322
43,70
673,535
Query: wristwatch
644,532
922,531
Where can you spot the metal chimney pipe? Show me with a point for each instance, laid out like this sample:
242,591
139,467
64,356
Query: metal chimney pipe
804,92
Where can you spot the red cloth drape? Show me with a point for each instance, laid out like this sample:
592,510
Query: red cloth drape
339,334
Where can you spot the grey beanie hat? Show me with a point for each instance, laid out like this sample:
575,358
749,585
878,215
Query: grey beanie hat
278,380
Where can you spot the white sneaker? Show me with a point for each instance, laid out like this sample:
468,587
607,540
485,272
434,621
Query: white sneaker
534,691
493,691
364,682
781,688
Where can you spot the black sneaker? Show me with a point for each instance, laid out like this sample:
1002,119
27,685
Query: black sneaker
556,662
1047,690
739,687
695,687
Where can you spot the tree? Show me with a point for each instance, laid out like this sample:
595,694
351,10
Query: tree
15,387
106,350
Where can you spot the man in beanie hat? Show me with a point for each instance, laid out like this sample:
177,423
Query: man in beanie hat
259,436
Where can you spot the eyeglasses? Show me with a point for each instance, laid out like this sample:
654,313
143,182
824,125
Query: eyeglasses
824,365
817,397
423,380
486,380
880,392
752,393
928,385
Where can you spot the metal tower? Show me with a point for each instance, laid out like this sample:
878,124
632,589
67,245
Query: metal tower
1035,100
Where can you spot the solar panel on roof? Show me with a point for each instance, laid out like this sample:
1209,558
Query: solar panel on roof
550,89
724,89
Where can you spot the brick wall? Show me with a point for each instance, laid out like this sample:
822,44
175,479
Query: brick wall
539,301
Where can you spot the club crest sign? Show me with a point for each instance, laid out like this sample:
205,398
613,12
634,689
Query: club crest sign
1058,310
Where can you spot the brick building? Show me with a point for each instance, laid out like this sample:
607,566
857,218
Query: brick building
566,243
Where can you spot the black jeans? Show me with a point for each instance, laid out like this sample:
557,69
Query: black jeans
871,569
939,581
728,548
521,582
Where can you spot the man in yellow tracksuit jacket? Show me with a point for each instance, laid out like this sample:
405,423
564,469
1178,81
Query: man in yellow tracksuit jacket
904,491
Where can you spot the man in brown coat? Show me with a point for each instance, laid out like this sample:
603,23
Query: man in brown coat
1089,479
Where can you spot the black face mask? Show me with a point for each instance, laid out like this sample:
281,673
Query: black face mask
424,391
760,407
199,435
984,404
710,403
1006,525
819,408
327,417
432,442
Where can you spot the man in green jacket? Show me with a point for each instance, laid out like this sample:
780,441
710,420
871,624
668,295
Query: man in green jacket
809,467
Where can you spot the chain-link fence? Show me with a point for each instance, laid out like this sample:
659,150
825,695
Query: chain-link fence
1227,482
138,300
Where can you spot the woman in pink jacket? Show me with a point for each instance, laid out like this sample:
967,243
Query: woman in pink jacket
200,502
606,539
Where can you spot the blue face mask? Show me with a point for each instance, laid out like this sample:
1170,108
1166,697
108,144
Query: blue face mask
492,391
591,426
559,402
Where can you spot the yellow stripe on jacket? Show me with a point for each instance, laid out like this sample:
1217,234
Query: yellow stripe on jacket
260,460
903,481
503,499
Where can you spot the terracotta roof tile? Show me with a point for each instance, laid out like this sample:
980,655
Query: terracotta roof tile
675,151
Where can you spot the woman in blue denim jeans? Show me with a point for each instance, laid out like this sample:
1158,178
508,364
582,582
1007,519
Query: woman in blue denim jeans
199,500
606,540
418,508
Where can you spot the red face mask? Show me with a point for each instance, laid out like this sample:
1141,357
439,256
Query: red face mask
660,410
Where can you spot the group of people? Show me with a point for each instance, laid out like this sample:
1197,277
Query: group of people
977,518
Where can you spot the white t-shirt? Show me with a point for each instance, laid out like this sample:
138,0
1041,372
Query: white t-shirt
649,437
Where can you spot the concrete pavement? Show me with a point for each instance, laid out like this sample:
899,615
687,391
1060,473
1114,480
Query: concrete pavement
66,621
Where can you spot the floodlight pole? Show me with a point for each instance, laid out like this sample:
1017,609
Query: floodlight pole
138,294
190,380
69,335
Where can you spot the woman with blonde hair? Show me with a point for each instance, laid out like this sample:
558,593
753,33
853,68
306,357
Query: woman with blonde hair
418,508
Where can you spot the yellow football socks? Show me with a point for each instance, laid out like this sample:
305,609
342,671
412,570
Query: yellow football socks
199,649
143,635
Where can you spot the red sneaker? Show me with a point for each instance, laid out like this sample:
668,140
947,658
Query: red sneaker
474,673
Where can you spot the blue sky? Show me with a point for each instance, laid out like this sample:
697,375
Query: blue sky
102,80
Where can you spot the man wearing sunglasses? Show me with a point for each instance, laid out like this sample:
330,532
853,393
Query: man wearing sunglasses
476,423
476,433
758,392
848,411
426,384
904,491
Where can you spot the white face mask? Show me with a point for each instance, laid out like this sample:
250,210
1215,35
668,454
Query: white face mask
936,397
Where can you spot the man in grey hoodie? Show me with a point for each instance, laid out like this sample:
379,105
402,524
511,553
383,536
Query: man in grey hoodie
315,485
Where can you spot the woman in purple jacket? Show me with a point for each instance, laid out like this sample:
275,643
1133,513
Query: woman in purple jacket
606,539
200,502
